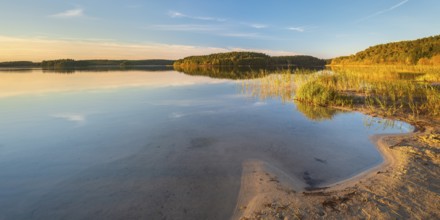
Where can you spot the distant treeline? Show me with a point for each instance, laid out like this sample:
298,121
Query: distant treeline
249,59
69,63
231,59
26,64
425,51
299,60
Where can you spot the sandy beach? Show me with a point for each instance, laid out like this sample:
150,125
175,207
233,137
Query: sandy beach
404,186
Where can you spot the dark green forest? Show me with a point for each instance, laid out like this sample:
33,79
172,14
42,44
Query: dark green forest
425,51
299,60
69,63
22,64
249,59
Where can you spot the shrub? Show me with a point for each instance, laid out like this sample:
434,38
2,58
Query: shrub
315,93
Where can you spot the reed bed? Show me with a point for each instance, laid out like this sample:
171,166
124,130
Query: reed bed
408,90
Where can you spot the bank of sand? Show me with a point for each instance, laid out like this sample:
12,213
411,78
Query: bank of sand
405,186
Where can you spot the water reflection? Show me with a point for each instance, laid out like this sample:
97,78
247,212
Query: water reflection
316,113
272,86
222,72
148,68
37,81
382,124
160,145
235,72
15,70
281,86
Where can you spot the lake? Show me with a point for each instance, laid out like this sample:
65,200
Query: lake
160,144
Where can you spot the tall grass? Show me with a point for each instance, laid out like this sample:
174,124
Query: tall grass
391,91
412,91
266,85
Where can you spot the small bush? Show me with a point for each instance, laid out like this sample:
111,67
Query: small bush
315,93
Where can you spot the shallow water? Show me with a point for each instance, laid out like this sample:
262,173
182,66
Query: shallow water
157,145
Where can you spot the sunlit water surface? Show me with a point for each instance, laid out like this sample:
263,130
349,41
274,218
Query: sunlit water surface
139,144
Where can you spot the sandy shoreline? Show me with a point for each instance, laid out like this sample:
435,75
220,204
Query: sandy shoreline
399,187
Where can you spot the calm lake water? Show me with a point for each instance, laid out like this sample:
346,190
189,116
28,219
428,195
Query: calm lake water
158,144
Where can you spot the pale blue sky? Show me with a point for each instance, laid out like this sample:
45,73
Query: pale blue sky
135,29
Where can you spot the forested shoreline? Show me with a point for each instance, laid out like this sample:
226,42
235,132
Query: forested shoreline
424,51
249,59
19,64
70,63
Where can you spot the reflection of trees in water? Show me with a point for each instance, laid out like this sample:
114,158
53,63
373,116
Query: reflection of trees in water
60,71
15,70
281,86
222,72
232,72
106,69
316,113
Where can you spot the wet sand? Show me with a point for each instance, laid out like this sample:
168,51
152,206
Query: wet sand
405,186
262,183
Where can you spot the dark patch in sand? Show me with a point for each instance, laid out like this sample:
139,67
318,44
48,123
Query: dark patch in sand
313,183
319,193
334,202
274,179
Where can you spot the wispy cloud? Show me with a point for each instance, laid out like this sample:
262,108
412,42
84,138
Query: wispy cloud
249,35
184,27
242,35
36,49
258,26
268,52
303,28
212,29
399,4
298,29
72,13
383,11
176,14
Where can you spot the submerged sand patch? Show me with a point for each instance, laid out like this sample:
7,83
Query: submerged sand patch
405,186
